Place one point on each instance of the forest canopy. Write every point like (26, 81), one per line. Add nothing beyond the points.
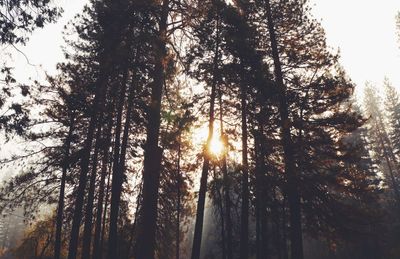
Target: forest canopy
(195, 129)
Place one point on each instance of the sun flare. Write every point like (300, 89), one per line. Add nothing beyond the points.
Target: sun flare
(216, 147)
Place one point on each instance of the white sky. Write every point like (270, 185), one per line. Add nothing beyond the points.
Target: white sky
(364, 30)
(44, 47)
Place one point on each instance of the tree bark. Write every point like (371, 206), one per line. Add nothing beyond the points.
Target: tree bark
(178, 209)
(112, 236)
(107, 198)
(87, 229)
(284, 230)
(221, 212)
(100, 201)
(277, 223)
(226, 193)
(244, 230)
(118, 178)
(261, 217)
(228, 218)
(60, 207)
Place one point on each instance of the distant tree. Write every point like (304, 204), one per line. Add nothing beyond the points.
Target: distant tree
(37, 242)
(398, 26)
(381, 143)
(392, 107)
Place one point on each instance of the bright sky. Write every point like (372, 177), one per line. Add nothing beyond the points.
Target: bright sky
(364, 30)
(43, 50)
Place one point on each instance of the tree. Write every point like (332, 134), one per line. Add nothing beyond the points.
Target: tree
(296, 157)
(37, 241)
(153, 153)
(392, 107)
(287, 143)
(17, 20)
(382, 145)
(110, 58)
(20, 18)
(398, 25)
(211, 23)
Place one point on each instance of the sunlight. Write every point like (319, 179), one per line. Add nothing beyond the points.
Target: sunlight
(199, 138)
(216, 147)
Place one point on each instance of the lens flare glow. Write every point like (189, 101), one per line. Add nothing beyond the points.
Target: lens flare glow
(216, 146)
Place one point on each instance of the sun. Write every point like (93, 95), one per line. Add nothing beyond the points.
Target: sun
(216, 147)
(199, 138)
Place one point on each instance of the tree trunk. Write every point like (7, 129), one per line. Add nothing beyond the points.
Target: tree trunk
(220, 208)
(87, 229)
(118, 177)
(60, 207)
(100, 201)
(198, 229)
(107, 198)
(135, 221)
(261, 222)
(389, 147)
(178, 209)
(244, 230)
(392, 178)
(45, 246)
(296, 236)
(85, 159)
(284, 230)
(153, 153)
(109, 58)
(224, 169)
(228, 218)
(112, 236)
(277, 223)
(221, 212)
